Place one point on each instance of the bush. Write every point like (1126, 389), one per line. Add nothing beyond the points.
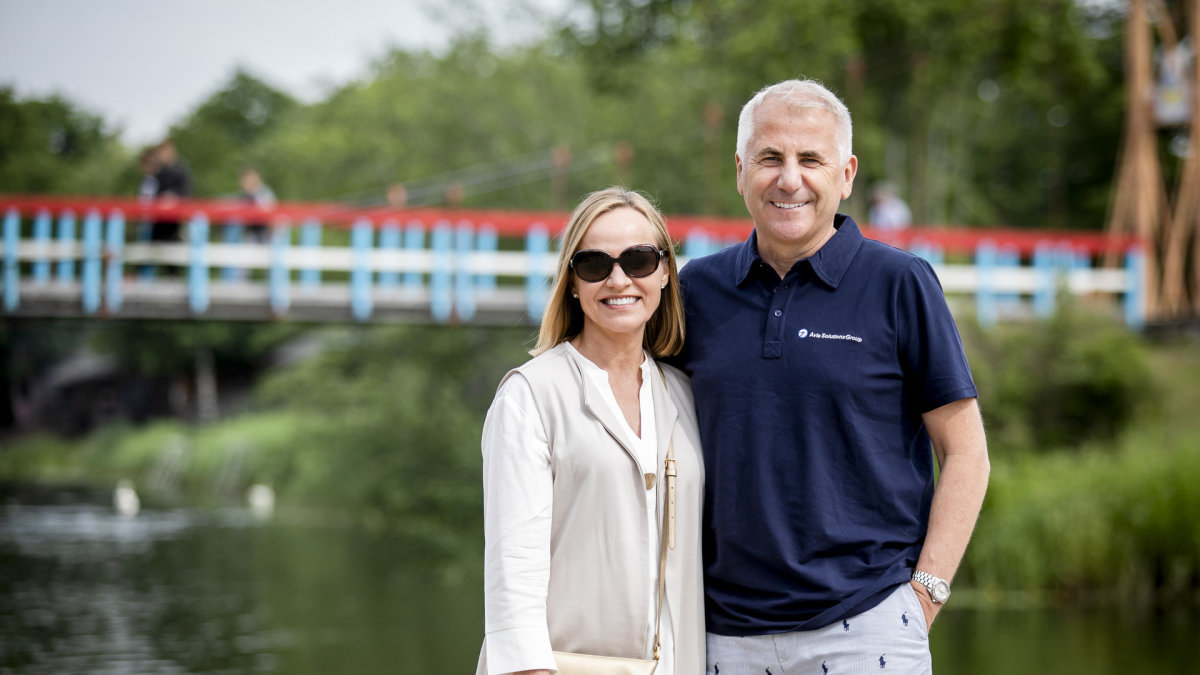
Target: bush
(389, 424)
(1120, 523)
(1060, 383)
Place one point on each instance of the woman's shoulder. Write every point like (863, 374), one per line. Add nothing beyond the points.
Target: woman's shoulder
(548, 364)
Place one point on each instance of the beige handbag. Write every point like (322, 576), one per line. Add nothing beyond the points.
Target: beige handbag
(570, 663)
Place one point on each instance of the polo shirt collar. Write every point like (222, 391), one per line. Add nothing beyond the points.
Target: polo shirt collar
(829, 263)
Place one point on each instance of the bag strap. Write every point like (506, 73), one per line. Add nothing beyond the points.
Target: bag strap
(668, 528)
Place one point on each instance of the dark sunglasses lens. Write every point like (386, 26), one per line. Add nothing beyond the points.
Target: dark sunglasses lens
(639, 261)
(593, 265)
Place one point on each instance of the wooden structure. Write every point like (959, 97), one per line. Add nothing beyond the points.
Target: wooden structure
(1170, 226)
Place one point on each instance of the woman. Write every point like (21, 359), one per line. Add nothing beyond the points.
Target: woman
(573, 453)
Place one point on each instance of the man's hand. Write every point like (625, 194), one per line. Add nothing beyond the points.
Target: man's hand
(928, 606)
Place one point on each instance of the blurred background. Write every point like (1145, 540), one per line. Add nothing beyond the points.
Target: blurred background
(190, 488)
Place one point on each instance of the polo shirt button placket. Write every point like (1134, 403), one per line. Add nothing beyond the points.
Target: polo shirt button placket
(773, 345)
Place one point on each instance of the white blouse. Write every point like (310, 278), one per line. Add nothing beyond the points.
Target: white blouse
(515, 446)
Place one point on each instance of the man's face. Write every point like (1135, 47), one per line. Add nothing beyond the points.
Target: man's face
(793, 179)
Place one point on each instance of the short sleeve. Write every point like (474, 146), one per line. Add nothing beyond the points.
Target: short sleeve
(931, 351)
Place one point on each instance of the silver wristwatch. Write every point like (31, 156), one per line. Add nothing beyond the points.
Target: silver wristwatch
(939, 589)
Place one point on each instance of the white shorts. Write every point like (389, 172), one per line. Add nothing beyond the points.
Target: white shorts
(888, 638)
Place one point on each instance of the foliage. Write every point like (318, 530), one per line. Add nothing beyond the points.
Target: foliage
(476, 116)
(219, 137)
(170, 347)
(1118, 522)
(389, 424)
(53, 146)
(1060, 383)
(1108, 517)
(983, 112)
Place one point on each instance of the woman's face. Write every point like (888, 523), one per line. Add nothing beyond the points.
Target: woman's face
(619, 305)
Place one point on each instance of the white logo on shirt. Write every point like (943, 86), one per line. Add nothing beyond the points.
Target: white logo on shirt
(827, 336)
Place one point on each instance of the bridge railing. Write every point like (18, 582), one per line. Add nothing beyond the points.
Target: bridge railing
(321, 262)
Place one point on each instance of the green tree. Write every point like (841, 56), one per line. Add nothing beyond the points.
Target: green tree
(984, 112)
(392, 418)
(486, 118)
(219, 137)
(51, 146)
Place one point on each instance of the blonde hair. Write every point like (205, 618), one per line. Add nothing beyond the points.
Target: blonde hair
(562, 319)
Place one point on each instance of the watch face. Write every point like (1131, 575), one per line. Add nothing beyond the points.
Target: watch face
(940, 591)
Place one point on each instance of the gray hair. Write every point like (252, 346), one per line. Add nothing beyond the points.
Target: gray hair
(805, 94)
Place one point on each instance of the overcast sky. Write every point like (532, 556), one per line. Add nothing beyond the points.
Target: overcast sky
(143, 65)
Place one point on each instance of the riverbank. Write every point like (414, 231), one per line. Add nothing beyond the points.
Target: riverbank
(1106, 520)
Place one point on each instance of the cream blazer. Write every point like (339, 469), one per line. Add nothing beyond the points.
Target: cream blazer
(599, 586)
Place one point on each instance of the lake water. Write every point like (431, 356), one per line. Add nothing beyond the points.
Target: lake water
(189, 590)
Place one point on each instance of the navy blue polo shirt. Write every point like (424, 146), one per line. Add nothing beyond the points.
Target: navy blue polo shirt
(809, 392)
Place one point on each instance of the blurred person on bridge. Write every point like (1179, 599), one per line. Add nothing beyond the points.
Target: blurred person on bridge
(888, 211)
(146, 190)
(574, 447)
(174, 181)
(828, 375)
(254, 192)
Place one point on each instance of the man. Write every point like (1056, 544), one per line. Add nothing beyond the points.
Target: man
(828, 374)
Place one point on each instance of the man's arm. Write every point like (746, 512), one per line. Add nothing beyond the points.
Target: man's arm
(956, 430)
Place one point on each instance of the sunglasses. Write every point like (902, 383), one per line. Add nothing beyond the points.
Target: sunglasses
(636, 261)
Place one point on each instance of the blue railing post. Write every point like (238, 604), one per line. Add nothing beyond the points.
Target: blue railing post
(233, 233)
(41, 236)
(414, 242)
(361, 236)
(440, 278)
(927, 251)
(389, 240)
(1008, 258)
(985, 295)
(697, 244)
(114, 275)
(279, 275)
(1045, 272)
(66, 237)
(486, 242)
(310, 239)
(1135, 293)
(537, 247)
(198, 263)
(92, 263)
(12, 271)
(464, 287)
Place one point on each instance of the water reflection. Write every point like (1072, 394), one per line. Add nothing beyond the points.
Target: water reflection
(216, 591)
(188, 590)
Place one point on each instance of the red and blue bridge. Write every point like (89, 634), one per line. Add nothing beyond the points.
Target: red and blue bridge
(319, 262)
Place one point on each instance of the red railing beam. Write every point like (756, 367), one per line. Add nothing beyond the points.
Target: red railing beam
(518, 223)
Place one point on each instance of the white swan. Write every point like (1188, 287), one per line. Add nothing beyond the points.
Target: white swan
(125, 499)
(261, 499)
